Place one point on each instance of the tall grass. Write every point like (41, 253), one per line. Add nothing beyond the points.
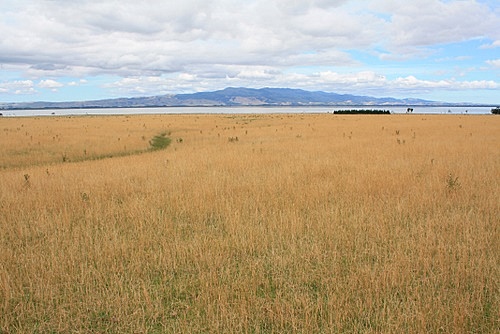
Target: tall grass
(306, 224)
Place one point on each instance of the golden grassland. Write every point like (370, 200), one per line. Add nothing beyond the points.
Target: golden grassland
(303, 223)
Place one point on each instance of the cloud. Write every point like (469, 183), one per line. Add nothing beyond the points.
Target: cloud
(163, 46)
(378, 84)
(494, 63)
(492, 45)
(77, 83)
(423, 23)
(363, 82)
(132, 38)
(138, 86)
(50, 84)
(17, 87)
(413, 82)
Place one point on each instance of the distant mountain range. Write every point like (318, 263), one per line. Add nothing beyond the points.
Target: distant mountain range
(231, 97)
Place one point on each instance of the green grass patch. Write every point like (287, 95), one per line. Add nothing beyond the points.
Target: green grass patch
(159, 142)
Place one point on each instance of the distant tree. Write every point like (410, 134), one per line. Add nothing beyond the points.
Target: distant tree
(361, 111)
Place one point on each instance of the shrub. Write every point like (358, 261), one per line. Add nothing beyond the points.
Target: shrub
(160, 141)
(361, 111)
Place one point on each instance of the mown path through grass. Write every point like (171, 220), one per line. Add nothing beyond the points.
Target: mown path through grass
(48, 141)
(158, 142)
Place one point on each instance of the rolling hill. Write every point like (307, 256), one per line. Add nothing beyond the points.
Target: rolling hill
(229, 97)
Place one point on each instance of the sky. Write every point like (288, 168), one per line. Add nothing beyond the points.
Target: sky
(62, 50)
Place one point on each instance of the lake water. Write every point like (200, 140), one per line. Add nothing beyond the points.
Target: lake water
(242, 110)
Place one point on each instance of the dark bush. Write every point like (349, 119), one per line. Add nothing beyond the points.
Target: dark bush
(362, 111)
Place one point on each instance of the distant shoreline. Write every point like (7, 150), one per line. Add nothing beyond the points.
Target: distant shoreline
(188, 110)
(262, 106)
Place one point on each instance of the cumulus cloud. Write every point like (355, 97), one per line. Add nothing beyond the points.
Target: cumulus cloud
(376, 83)
(165, 45)
(17, 87)
(164, 36)
(413, 82)
(50, 84)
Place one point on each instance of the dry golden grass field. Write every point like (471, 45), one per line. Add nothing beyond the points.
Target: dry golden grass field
(303, 223)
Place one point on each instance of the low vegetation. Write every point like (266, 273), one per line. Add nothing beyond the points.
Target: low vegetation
(305, 224)
(160, 141)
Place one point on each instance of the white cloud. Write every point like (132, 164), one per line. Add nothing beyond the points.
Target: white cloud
(138, 86)
(379, 84)
(162, 46)
(423, 23)
(18, 87)
(495, 44)
(50, 84)
(363, 82)
(77, 83)
(412, 83)
(494, 63)
(131, 38)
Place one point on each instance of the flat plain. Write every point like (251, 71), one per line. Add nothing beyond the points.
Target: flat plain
(269, 223)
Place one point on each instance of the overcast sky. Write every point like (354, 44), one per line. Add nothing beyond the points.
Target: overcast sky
(61, 50)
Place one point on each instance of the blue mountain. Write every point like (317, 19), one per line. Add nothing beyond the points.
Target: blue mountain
(284, 96)
(230, 97)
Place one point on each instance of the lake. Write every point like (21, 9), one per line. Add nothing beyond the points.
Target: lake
(243, 110)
